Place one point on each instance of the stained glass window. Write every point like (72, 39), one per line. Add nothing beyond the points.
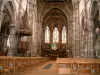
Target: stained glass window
(47, 35)
(64, 35)
(55, 35)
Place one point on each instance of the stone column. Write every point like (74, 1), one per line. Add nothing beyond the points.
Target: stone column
(76, 27)
(99, 10)
(84, 42)
(70, 32)
(11, 50)
(34, 40)
(73, 51)
(0, 18)
(33, 27)
(40, 35)
(39, 30)
(90, 45)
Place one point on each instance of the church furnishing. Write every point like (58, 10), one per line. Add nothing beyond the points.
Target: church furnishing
(78, 66)
(16, 65)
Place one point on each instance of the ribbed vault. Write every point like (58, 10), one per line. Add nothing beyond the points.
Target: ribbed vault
(54, 18)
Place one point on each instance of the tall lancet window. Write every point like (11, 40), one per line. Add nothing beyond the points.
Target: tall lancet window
(64, 35)
(47, 35)
(55, 35)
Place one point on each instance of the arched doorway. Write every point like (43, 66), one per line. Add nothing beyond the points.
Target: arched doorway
(7, 23)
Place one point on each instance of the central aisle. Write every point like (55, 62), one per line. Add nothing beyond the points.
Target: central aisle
(49, 68)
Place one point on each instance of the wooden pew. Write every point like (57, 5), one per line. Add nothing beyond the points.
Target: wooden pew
(3, 66)
(19, 64)
(97, 62)
(64, 67)
(80, 66)
(84, 67)
(34, 62)
(84, 71)
(26, 63)
(12, 66)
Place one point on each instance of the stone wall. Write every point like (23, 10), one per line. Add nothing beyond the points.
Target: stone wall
(83, 29)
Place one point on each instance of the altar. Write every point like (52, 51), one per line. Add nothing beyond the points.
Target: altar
(54, 54)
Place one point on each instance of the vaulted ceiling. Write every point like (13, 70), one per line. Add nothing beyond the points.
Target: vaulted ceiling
(54, 18)
(54, 13)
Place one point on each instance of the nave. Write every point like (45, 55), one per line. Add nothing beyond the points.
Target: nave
(32, 32)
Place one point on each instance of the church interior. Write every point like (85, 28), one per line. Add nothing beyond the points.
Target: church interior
(49, 37)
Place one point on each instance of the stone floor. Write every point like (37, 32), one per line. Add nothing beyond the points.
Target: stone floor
(41, 71)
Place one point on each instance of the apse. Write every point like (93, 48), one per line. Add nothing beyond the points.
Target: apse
(55, 29)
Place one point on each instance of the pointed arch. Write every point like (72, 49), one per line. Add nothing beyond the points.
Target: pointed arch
(47, 35)
(64, 35)
(55, 35)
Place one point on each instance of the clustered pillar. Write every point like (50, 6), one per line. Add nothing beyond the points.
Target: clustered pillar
(11, 50)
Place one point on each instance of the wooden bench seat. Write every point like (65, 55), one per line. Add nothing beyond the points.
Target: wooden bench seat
(84, 71)
(66, 71)
(3, 66)
(14, 65)
(80, 66)
(11, 64)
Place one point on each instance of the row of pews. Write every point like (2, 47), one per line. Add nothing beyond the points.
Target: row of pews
(19, 65)
(78, 66)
